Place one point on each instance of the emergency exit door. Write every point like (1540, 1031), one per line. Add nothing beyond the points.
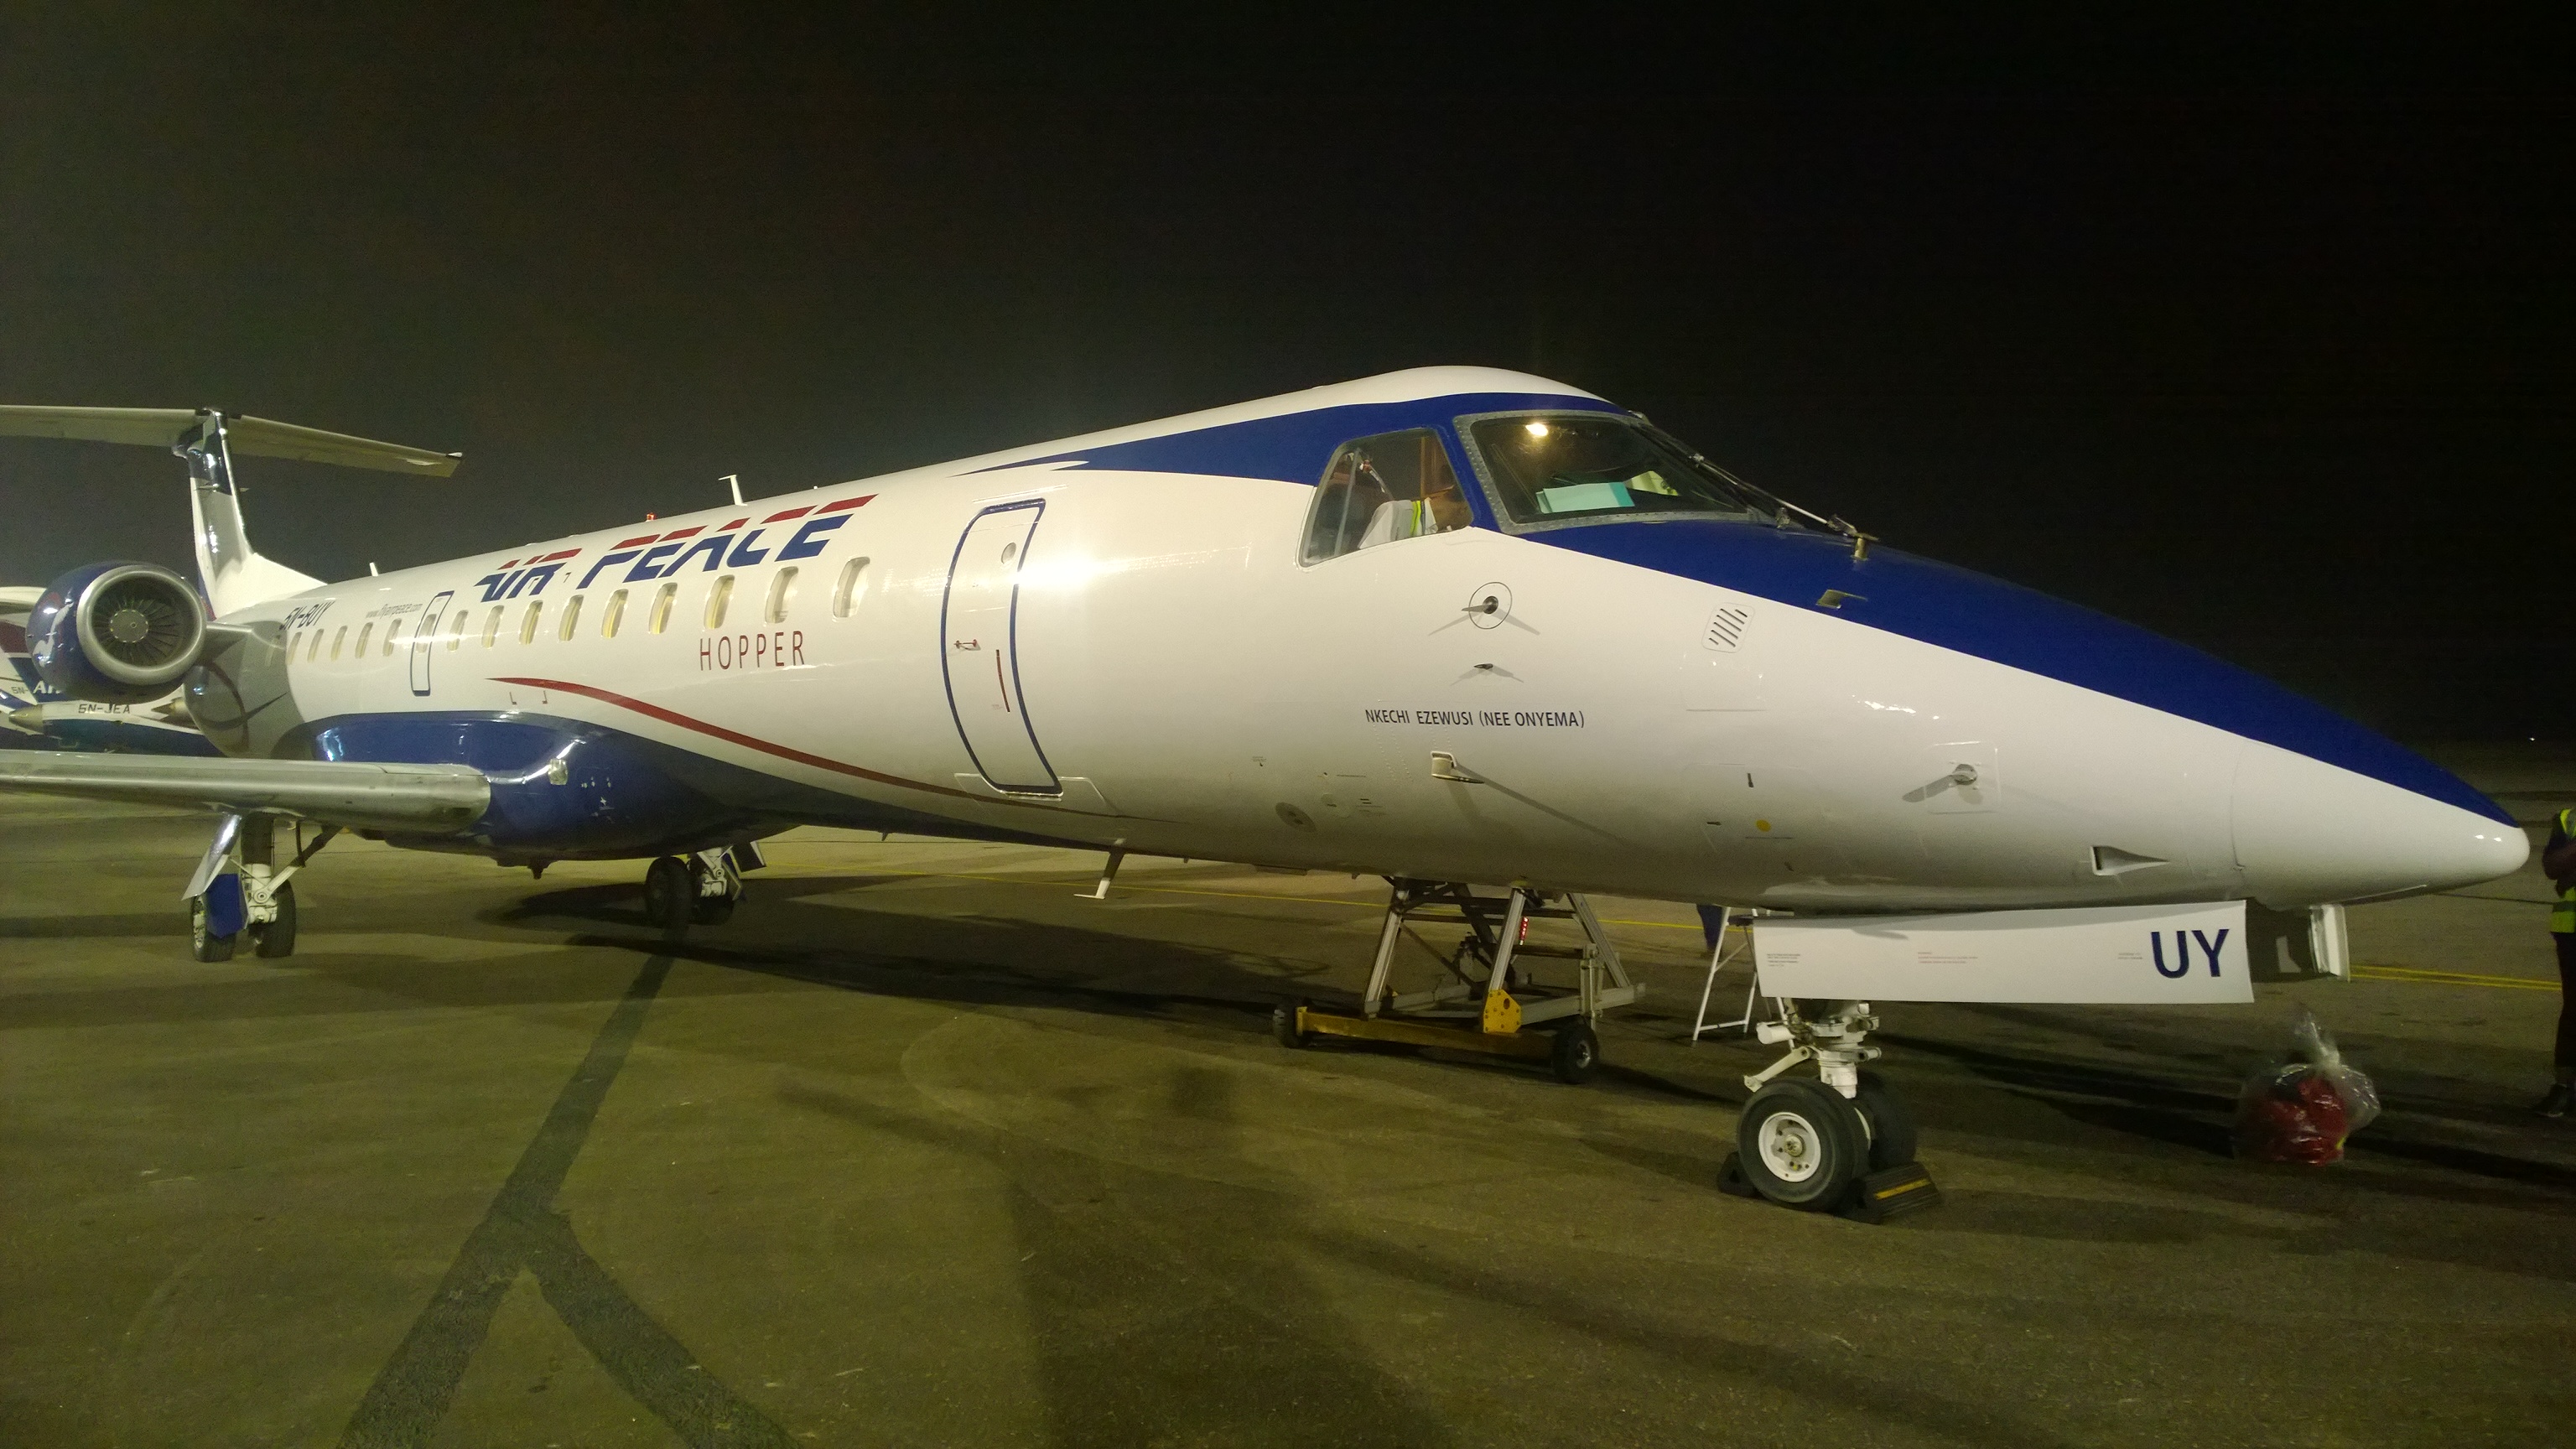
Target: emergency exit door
(422, 638)
(979, 632)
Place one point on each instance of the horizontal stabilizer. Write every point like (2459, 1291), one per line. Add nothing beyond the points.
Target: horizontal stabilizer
(399, 798)
(164, 427)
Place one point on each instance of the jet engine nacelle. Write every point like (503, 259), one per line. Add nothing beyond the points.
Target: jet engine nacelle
(117, 633)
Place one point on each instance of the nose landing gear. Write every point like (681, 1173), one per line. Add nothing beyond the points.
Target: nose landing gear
(1843, 1143)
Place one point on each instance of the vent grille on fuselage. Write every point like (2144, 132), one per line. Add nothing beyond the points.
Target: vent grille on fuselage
(1726, 627)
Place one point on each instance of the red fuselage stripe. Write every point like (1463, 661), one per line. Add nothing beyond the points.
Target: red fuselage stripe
(784, 752)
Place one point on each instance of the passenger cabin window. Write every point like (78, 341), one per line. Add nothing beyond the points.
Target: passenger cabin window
(528, 625)
(1378, 490)
(716, 598)
(343, 633)
(571, 618)
(1590, 465)
(361, 651)
(615, 616)
(662, 598)
(316, 651)
(458, 626)
(782, 591)
(845, 595)
(492, 625)
(393, 636)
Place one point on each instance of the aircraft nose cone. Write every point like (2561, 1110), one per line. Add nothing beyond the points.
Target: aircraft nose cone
(2309, 833)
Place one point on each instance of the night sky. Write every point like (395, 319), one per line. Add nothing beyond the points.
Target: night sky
(2258, 338)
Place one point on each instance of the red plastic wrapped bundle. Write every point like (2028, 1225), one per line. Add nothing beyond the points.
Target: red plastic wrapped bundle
(2301, 1109)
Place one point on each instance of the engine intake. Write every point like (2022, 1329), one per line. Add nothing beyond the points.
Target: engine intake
(117, 633)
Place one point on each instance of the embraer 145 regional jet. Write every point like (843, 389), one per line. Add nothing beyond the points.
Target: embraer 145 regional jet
(1491, 637)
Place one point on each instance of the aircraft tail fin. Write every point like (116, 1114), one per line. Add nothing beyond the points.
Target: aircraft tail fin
(232, 573)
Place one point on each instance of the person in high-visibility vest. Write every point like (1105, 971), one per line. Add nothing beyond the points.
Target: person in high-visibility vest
(2558, 862)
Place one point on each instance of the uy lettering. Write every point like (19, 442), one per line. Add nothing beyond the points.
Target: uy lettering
(2183, 942)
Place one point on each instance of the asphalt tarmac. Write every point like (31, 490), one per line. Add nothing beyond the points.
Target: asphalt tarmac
(922, 1148)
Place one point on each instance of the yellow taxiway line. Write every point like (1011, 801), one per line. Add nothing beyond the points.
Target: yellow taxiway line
(2452, 978)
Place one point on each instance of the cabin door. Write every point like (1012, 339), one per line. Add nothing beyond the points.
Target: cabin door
(423, 637)
(979, 633)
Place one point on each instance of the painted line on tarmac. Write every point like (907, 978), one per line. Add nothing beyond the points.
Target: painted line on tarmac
(524, 1231)
(2424, 977)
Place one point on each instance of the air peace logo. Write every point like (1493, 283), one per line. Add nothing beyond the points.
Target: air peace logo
(510, 581)
(668, 555)
(2182, 947)
(665, 555)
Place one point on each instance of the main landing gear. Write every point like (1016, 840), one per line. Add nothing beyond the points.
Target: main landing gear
(240, 890)
(1844, 1143)
(697, 889)
(1490, 1000)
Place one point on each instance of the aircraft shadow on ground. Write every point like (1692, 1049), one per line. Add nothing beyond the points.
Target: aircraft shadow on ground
(785, 930)
(172, 924)
(984, 959)
(969, 957)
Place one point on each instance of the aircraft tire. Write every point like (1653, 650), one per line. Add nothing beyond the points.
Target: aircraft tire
(1283, 1024)
(203, 945)
(277, 938)
(1801, 1144)
(670, 893)
(1575, 1054)
(1891, 1123)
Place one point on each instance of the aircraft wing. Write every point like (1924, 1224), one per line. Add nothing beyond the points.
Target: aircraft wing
(403, 798)
(258, 437)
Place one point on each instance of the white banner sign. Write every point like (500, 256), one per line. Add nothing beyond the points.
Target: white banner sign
(2142, 955)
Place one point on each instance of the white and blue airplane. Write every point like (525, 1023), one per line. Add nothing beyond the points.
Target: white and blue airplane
(1457, 627)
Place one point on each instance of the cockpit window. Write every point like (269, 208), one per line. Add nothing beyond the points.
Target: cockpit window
(1378, 490)
(1553, 467)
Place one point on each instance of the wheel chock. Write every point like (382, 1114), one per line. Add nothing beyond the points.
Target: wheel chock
(1899, 1190)
(1731, 1179)
(1874, 1199)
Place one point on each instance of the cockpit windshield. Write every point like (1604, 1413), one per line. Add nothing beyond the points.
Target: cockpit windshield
(1556, 467)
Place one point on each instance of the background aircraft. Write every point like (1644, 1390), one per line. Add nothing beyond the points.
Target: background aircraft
(1453, 626)
(38, 717)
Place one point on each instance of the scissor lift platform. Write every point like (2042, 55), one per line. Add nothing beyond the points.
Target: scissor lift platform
(1477, 1009)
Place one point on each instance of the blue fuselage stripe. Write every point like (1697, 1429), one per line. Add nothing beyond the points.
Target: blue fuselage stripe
(1916, 598)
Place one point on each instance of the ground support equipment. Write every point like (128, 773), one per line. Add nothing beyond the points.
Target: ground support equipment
(1740, 922)
(1491, 1002)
